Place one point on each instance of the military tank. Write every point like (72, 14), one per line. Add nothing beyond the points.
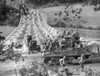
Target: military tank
(70, 52)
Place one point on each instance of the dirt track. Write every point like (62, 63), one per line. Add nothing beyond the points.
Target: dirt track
(8, 68)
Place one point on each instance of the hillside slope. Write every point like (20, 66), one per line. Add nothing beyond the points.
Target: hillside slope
(88, 16)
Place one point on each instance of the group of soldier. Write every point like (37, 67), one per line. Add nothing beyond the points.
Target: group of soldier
(57, 44)
(80, 61)
(32, 44)
(69, 39)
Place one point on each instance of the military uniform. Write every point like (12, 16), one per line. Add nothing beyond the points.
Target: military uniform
(81, 60)
(62, 61)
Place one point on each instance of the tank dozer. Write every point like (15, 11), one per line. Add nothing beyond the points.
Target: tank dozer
(70, 53)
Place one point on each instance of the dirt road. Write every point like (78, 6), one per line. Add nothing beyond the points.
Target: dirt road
(8, 68)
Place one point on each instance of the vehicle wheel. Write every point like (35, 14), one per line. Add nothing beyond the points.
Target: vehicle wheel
(54, 62)
(50, 63)
(33, 69)
(4, 59)
(71, 58)
(74, 61)
(57, 63)
(46, 60)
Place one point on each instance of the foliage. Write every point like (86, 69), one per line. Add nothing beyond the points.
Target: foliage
(33, 69)
(62, 24)
(13, 21)
(43, 2)
(8, 15)
(50, 3)
(3, 13)
(58, 24)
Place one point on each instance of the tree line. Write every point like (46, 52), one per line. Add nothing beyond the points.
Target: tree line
(8, 15)
(43, 2)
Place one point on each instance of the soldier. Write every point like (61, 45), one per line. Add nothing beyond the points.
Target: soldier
(9, 53)
(62, 61)
(30, 47)
(29, 38)
(81, 60)
(76, 39)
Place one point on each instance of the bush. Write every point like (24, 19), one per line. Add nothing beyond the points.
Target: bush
(4, 10)
(56, 3)
(13, 21)
(98, 28)
(8, 15)
(90, 28)
(58, 24)
(79, 26)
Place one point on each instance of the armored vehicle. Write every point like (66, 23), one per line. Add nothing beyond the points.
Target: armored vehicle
(73, 48)
(70, 54)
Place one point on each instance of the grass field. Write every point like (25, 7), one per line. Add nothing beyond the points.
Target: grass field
(89, 17)
(6, 30)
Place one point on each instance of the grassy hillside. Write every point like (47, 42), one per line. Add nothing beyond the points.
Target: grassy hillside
(76, 16)
(75, 12)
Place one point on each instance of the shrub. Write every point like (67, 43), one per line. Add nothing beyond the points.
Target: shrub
(90, 28)
(13, 21)
(97, 28)
(59, 24)
(8, 15)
